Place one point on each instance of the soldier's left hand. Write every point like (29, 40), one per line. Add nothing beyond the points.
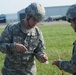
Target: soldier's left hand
(43, 58)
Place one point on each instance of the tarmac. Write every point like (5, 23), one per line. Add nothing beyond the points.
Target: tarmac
(54, 23)
(3, 25)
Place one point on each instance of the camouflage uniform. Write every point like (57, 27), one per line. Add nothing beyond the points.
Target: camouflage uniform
(70, 66)
(18, 63)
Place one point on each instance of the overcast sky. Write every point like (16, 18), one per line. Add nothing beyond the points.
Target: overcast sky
(13, 6)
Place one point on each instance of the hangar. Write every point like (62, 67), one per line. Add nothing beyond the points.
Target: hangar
(21, 14)
(50, 11)
(10, 18)
(56, 11)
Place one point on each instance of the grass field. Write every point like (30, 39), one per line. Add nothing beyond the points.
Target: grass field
(58, 40)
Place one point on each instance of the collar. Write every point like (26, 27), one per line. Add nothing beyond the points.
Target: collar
(27, 31)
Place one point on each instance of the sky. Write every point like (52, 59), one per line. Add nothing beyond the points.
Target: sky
(13, 6)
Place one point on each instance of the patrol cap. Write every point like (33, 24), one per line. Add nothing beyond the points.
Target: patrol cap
(36, 10)
(71, 13)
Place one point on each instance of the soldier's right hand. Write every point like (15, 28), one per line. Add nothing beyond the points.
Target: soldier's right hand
(20, 47)
(57, 63)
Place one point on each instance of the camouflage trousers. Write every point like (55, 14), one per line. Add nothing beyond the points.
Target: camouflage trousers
(14, 72)
(8, 72)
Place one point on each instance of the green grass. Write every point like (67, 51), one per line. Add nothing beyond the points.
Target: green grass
(58, 40)
(1, 54)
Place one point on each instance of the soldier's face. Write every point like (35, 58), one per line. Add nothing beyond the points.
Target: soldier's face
(73, 25)
(32, 22)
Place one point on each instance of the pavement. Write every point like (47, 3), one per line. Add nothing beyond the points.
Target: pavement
(54, 23)
(3, 25)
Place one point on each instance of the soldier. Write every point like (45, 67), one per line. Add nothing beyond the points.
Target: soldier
(69, 66)
(22, 42)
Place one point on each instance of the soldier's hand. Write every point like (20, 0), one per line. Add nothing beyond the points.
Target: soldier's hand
(43, 58)
(20, 47)
(57, 62)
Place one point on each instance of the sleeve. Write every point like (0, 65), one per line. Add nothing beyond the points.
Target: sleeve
(40, 50)
(70, 66)
(6, 42)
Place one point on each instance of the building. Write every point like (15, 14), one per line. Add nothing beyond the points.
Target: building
(21, 14)
(50, 11)
(10, 18)
(56, 11)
